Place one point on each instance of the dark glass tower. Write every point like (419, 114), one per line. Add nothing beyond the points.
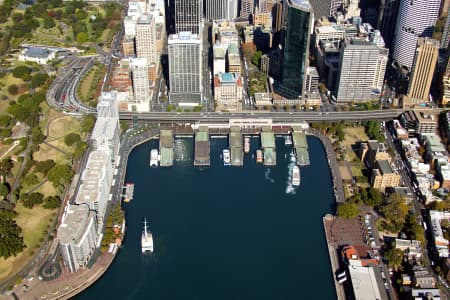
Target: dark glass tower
(295, 48)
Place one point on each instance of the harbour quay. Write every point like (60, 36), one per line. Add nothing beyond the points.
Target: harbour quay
(166, 144)
(202, 148)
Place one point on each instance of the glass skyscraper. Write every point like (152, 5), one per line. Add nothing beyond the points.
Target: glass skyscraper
(295, 48)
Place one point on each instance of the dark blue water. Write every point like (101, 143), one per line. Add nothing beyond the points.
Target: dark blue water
(224, 232)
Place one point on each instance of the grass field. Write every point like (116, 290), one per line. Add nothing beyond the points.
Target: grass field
(45, 152)
(34, 222)
(61, 126)
(353, 135)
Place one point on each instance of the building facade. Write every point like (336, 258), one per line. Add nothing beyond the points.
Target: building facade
(326, 8)
(425, 59)
(188, 15)
(141, 85)
(359, 70)
(146, 39)
(415, 19)
(221, 9)
(383, 176)
(295, 53)
(77, 236)
(228, 91)
(185, 69)
(246, 8)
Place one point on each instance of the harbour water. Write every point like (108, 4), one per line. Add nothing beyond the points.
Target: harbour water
(224, 232)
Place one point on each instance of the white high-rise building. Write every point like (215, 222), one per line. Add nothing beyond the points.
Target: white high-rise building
(247, 8)
(77, 236)
(416, 18)
(361, 67)
(185, 69)
(221, 9)
(95, 185)
(146, 39)
(141, 84)
(106, 133)
(188, 15)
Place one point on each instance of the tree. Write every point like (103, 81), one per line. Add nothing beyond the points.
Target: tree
(37, 136)
(394, 209)
(13, 89)
(38, 80)
(52, 202)
(5, 120)
(256, 58)
(49, 23)
(29, 200)
(82, 37)
(394, 257)
(4, 133)
(72, 138)
(374, 197)
(11, 240)
(5, 168)
(87, 123)
(59, 175)
(4, 190)
(44, 166)
(347, 210)
(21, 72)
(79, 150)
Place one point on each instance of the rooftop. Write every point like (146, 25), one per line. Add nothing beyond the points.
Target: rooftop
(37, 52)
(303, 4)
(74, 223)
(384, 167)
(366, 283)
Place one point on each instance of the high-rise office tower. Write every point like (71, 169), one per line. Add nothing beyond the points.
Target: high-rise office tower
(360, 69)
(146, 38)
(326, 7)
(425, 59)
(247, 8)
(297, 16)
(386, 20)
(277, 16)
(141, 85)
(415, 19)
(221, 9)
(185, 69)
(188, 15)
(446, 32)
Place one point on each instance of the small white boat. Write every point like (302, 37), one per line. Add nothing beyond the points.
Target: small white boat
(295, 176)
(287, 140)
(246, 144)
(154, 158)
(146, 239)
(226, 157)
(259, 156)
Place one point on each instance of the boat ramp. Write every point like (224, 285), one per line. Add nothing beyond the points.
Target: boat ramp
(237, 154)
(301, 148)
(201, 148)
(166, 142)
(268, 146)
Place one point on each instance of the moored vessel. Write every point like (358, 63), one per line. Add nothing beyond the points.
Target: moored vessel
(246, 144)
(146, 239)
(259, 156)
(287, 140)
(226, 157)
(154, 158)
(295, 176)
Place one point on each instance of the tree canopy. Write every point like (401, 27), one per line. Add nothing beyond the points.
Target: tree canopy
(59, 175)
(347, 210)
(72, 138)
(11, 240)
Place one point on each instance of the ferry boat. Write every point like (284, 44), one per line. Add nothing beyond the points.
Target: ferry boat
(295, 176)
(146, 239)
(154, 158)
(226, 157)
(287, 140)
(259, 156)
(246, 145)
(129, 189)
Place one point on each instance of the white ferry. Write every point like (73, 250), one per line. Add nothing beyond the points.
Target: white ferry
(259, 156)
(154, 158)
(295, 176)
(246, 145)
(146, 239)
(287, 140)
(226, 157)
